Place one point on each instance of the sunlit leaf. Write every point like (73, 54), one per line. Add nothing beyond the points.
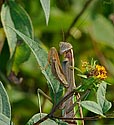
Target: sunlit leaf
(5, 109)
(11, 35)
(92, 106)
(46, 8)
(4, 120)
(105, 105)
(37, 117)
(83, 76)
(101, 93)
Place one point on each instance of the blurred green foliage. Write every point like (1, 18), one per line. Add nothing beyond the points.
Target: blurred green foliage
(91, 37)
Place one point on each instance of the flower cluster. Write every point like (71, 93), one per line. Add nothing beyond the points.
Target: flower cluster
(100, 72)
(96, 71)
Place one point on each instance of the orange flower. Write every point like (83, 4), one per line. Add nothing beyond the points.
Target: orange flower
(100, 72)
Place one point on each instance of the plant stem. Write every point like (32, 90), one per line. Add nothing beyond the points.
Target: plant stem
(56, 107)
(84, 118)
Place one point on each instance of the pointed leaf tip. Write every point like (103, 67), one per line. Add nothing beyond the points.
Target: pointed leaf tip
(46, 8)
(92, 106)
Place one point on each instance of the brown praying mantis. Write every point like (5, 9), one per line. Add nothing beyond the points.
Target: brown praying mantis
(65, 75)
(56, 68)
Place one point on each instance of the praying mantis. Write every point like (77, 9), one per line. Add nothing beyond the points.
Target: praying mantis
(65, 75)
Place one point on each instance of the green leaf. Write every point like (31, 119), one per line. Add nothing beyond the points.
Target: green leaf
(83, 76)
(102, 106)
(20, 56)
(76, 68)
(4, 102)
(37, 117)
(105, 105)
(92, 106)
(4, 120)
(103, 31)
(101, 94)
(20, 19)
(23, 23)
(15, 16)
(56, 89)
(11, 35)
(46, 8)
(0, 103)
